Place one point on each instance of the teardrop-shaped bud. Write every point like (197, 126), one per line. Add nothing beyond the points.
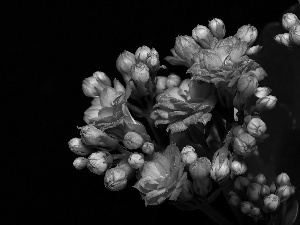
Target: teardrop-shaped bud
(217, 27)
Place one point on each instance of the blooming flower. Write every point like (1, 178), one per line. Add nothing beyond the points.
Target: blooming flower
(162, 177)
(179, 109)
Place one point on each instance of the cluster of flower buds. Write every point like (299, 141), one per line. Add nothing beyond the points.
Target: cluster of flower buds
(260, 197)
(245, 137)
(291, 23)
(137, 69)
(162, 83)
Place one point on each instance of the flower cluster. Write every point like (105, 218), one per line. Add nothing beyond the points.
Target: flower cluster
(214, 119)
(291, 23)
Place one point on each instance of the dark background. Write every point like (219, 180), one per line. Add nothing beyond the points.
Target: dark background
(52, 46)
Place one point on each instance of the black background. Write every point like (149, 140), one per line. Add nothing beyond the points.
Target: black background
(52, 46)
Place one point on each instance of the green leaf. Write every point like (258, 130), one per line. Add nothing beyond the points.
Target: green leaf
(291, 214)
(214, 195)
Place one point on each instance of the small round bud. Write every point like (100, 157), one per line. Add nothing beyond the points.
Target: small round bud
(188, 154)
(136, 160)
(295, 34)
(234, 199)
(203, 36)
(140, 73)
(133, 140)
(260, 179)
(265, 190)
(141, 54)
(282, 179)
(255, 211)
(161, 84)
(238, 168)
(266, 103)
(272, 188)
(99, 162)
(217, 27)
(283, 192)
(271, 202)
(152, 60)
(262, 92)
(77, 146)
(115, 179)
(173, 80)
(102, 78)
(124, 63)
(80, 163)
(247, 33)
(148, 148)
(246, 207)
(256, 127)
(240, 183)
(200, 168)
(289, 20)
(253, 191)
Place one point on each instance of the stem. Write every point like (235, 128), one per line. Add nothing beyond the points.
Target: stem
(214, 215)
(158, 138)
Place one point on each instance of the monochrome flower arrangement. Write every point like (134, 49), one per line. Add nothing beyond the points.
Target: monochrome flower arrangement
(216, 108)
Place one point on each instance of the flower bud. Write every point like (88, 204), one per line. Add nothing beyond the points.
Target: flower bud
(260, 179)
(161, 84)
(173, 80)
(283, 39)
(124, 63)
(202, 187)
(256, 127)
(200, 168)
(188, 154)
(90, 135)
(282, 179)
(244, 144)
(272, 188)
(115, 179)
(234, 199)
(247, 33)
(246, 207)
(140, 73)
(255, 211)
(184, 86)
(148, 148)
(76, 146)
(295, 34)
(240, 183)
(141, 54)
(133, 140)
(238, 168)
(292, 189)
(102, 78)
(98, 162)
(203, 36)
(247, 84)
(253, 191)
(187, 191)
(283, 192)
(136, 160)
(264, 190)
(289, 20)
(253, 50)
(152, 60)
(89, 86)
(217, 28)
(220, 167)
(262, 92)
(185, 47)
(271, 202)
(80, 163)
(265, 103)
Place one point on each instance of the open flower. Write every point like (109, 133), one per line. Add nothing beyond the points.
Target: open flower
(180, 108)
(162, 177)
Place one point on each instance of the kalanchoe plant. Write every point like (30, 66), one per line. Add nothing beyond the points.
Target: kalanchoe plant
(216, 111)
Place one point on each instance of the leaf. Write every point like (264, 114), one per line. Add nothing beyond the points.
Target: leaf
(214, 195)
(291, 214)
(188, 206)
